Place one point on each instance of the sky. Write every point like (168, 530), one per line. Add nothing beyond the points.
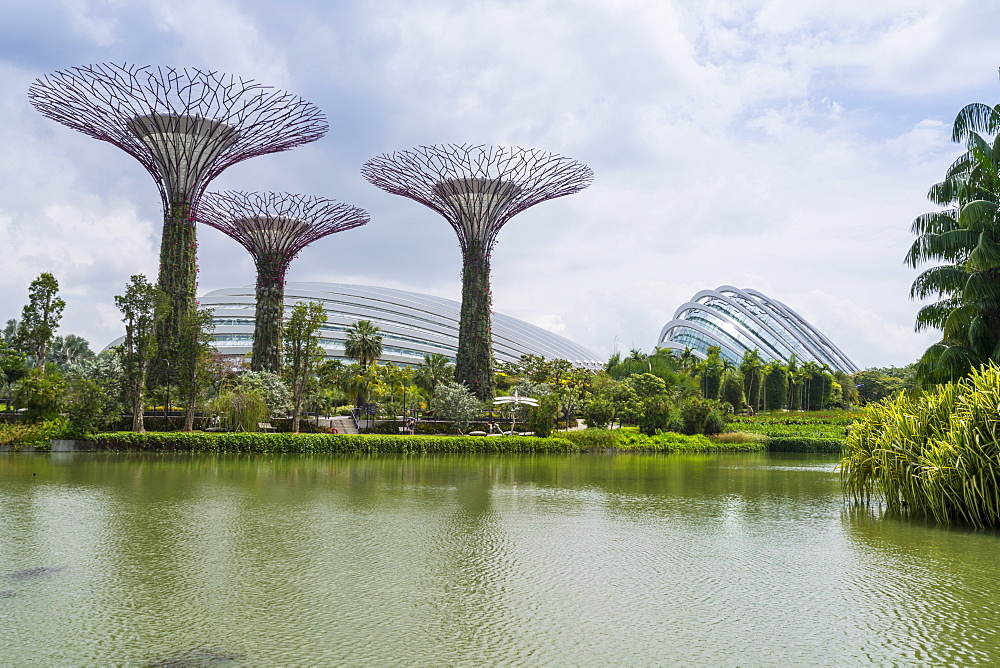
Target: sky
(779, 145)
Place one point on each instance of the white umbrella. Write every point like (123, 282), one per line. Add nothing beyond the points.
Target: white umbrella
(515, 399)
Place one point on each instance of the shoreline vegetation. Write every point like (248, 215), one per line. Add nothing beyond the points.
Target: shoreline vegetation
(787, 433)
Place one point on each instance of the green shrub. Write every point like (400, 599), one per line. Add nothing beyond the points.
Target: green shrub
(241, 409)
(593, 439)
(935, 454)
(740, 437)
(323, 443)
(805, 444)
(37, 434)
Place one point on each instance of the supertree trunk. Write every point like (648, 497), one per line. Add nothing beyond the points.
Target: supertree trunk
(178, 274)
(474, 362)
(270, 309)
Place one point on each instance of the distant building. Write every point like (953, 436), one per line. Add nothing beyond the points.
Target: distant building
(412, 324)
(741, 320)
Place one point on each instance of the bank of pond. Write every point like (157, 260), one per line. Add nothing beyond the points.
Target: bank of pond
(588, 440)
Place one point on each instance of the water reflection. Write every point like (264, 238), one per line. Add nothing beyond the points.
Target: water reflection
(257, 560)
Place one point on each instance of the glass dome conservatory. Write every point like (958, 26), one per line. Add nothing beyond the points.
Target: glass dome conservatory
(741, 320)
(412, 324)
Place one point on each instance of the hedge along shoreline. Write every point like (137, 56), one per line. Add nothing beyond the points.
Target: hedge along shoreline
(248, 442)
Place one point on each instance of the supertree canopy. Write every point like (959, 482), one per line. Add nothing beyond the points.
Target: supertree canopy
(274, 227)
(185, 126)
(477, 189)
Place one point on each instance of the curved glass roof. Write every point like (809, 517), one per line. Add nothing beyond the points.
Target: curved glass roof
(412, 324)
(741, 320)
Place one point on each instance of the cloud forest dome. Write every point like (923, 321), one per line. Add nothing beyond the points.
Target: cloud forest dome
(741, 320)
(412, 324)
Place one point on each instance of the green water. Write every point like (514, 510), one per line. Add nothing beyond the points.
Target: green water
(175, 560)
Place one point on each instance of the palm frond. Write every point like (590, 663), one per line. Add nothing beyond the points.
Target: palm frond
(947, 279)
(935, 222)
(975, 117)
(979, 215)
(934, 316)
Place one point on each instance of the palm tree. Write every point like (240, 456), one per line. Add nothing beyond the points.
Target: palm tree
(966, 238)
(364, 343)
(751, 366)
(435, 370)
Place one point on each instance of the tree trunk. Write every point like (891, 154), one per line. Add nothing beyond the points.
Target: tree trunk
(137, 406)
(270, 310)
(296, 410)
(178, 280)
(474, 361)
(192, 400)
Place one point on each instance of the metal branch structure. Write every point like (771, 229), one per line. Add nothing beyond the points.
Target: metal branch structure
(274, 228)
(185, 126)
(477, 189)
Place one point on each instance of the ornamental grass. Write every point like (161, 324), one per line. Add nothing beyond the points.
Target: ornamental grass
(933, 454)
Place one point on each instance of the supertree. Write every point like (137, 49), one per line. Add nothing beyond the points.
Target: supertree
(477, 189)
(274, 227)
(185, 126)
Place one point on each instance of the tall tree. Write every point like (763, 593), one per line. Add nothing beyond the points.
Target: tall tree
(751, 366)
(364, 343)
(194, 358)
(435, 370)
(141, 307)
(965, 238)
(302, 351)
(40, 317)
(70, 349)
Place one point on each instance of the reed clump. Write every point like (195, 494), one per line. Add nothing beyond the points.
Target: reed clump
(935, 454)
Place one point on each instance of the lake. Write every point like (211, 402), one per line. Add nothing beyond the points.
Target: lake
(189, 560)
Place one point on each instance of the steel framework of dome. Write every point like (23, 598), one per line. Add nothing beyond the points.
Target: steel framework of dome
(412, 324)
(741, 320)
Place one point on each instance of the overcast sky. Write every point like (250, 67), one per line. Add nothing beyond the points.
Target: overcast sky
(779, 145)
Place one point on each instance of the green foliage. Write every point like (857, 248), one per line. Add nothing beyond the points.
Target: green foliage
(474, 359)
(805, 444)
(142, 307)
(302, 351)
(13, 366)
(91, 406)
(656, 413)
(241, 409)
(965, 239)
(876, 384)
(37, 434)
(455, 403)
(543, 416)
(933, 454)
(40, 317)
(40, 393)
(363, 343)
(193, 361)
(326, 443)
(598, 413)
(70, 349)
(435, 370)
(823, 424)
(269, 386)
(775, 386)
(732, 391)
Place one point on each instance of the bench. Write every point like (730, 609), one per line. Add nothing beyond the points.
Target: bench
(265, 426)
